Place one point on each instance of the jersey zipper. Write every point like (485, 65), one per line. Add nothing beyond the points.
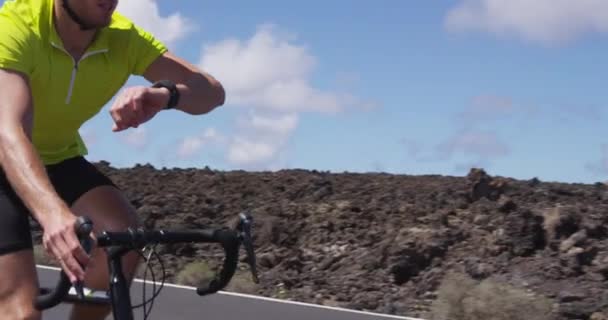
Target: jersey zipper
(75, 67)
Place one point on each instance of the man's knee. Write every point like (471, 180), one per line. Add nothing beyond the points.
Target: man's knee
(20, 313)
(108, 207)
(18, 286)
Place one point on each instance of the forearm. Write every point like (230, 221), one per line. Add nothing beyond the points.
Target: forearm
(200, 94)
(26, 173)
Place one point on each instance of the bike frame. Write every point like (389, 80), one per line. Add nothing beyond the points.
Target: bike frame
(119, 289)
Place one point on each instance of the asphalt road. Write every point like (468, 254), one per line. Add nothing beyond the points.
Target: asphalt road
(179, 302)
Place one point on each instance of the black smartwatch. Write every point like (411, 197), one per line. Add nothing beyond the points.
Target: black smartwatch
(174, 93)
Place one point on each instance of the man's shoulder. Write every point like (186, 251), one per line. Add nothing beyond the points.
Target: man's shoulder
(20, 25)
(124, 28)
(122, 24)
(22, 18)
(24, 12)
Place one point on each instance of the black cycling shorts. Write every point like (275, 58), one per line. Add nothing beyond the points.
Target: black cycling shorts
(71, 179)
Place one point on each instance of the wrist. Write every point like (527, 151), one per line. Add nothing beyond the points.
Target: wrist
(170, 90)
(163, 95)
(54, 213)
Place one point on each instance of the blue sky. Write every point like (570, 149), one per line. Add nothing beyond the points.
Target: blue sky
(396, 86)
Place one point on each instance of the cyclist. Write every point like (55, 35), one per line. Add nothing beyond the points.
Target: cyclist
(61, 61)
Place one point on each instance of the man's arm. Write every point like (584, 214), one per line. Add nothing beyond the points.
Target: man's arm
(199, 91)
(19, 160)
(27, 175)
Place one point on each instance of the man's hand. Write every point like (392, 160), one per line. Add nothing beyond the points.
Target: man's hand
(137, 105)
(60, 241)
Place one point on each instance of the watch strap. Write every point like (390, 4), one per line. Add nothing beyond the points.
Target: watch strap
(174, 93)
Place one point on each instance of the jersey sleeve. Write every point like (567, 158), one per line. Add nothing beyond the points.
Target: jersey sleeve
(16, 49)
(145, 48)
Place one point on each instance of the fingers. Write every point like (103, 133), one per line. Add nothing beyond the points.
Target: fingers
(138, 111)
(128, 110)
(76, 250)
(117, 114)
(66, 248)
(62, 251)
(120, 113)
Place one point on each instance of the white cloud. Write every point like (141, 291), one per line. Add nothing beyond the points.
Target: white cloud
(543, 21)
(247, 152)
(261, 139)
(270, 71)
(257, 142)
(189, 146)
(278, 125)
(491, 109)
(270, 76)
(477, 126)
(136, 137)
(483, 144)
(146, 14)
(475, 135)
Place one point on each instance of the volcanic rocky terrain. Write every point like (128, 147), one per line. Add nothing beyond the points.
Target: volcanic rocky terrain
(387, 243)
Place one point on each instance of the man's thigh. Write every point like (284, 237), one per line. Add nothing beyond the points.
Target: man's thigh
(89, 192)
(108, 207)
(18, 285)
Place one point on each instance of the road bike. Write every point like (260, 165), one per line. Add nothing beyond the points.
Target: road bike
(117, 244)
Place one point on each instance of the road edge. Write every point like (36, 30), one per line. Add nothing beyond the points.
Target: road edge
(250, 296)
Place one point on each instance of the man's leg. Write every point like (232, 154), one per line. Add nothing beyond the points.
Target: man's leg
(18, 286)
(18, 277)
(109, 210)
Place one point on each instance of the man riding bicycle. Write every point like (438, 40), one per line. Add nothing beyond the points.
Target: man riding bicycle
(61, 61)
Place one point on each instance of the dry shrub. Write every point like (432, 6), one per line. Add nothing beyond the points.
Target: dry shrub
(195, 274)
(451, 293)
(599, 315)
(198, 274)
(242, 282)
(462, 298)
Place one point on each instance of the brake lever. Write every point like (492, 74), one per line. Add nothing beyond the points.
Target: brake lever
(84, 227)
(244, 229)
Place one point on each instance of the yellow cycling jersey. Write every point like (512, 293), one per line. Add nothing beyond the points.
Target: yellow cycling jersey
(66, 93)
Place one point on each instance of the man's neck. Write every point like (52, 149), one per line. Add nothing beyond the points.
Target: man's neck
(75, 40)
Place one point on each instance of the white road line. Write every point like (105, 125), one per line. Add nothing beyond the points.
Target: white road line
(387, 316)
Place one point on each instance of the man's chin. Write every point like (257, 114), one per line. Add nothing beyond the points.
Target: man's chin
(107, 23)
(100, 25)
